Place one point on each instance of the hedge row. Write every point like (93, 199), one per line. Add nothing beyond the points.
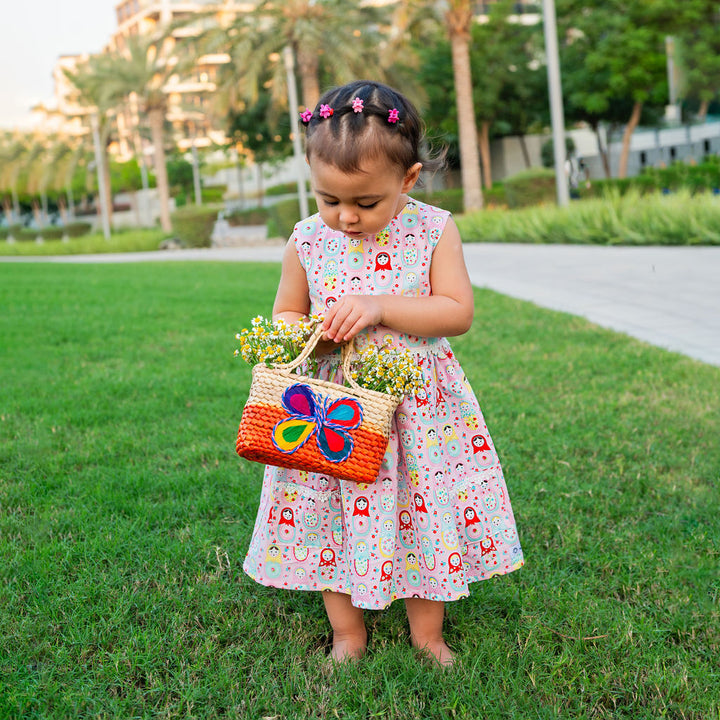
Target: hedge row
(632, 219)
(193, 225)
(702, 177)
(253, 216)
(51, 232)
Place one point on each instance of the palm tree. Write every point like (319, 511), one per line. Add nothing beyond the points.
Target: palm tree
(337, 39)
(143, 67)
(90, 93)
(458, 22)
(64, 161)
(456, 17)
(13, 150)
(34, 178)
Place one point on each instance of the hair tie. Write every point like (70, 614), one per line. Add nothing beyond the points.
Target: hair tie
(357, 105)
(393, 115)
(306, 116)
(326, 111)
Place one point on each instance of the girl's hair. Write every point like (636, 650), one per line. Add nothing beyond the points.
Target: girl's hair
(366, 120)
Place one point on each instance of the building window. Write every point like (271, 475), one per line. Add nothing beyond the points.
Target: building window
(673, 153)
(643, 159)
(706, 147)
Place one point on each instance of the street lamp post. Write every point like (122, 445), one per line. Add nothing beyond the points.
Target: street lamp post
(672, 111)
(295, 130)
(557, 115)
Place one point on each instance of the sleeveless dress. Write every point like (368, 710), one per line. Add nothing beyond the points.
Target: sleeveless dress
(438, 517)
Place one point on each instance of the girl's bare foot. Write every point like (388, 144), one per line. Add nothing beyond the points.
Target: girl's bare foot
(439, 653)
(349, 633)
(348, 648)
(426, 629)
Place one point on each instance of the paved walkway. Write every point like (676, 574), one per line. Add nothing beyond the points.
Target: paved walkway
(667, 296)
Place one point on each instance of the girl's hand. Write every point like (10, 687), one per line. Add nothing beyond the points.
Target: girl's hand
(351, 314)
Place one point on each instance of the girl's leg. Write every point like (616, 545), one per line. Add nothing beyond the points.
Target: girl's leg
(426, 629)
(348, 624)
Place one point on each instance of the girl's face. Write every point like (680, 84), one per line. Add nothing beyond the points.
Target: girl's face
(361, 203)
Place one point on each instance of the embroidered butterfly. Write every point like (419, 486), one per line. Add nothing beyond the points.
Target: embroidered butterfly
(312, 414)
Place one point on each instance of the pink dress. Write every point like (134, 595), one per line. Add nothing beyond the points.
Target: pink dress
(439, 516)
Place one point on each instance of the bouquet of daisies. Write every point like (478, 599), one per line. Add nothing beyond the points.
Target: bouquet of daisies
(274, 342)
(385, 369)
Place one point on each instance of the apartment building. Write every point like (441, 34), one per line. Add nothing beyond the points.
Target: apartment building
(189, 94)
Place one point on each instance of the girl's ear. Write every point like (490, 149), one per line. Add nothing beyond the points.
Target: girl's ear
(411, 177)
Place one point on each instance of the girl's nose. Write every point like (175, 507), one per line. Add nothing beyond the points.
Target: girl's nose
(348, 216)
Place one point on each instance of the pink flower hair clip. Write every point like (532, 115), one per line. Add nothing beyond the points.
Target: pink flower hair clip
(306, 116)
(326, 111)
(393, 115)
(357, 105)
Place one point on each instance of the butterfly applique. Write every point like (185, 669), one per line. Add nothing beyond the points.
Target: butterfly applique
(314, 414)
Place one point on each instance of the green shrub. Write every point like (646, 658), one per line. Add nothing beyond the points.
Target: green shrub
(451, 199)
(23, 234)
(530, 187)
(193, 225)
(547, 151)
(52, 233)
(11, 230)
(495, 196)
(253, 216)
(282, 216)
(696, 178)
(77, 228)
(288, 188)
(213, 194)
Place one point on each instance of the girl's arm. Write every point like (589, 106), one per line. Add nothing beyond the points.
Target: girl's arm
(447, 311)
(292, 300)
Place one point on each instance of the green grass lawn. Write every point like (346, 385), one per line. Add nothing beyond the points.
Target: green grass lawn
(125, 515)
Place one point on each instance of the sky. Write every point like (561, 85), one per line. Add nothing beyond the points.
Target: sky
(33, 34)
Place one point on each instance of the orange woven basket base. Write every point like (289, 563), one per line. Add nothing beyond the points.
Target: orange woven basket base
(255, 443)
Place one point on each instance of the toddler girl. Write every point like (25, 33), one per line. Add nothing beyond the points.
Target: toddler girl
(382, 267)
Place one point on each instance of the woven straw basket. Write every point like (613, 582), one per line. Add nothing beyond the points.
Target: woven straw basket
(300, 422)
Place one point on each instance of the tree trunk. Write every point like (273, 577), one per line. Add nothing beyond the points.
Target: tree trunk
(7, 207)
(16, 203)
(70, 203)
(36, 212)
(627, 136)
(524, 148)
(108, 188)
(260, 184)
(308, 67)
(702, 112)
(62, 207)
(156, 117)
(458, 22)
(485, 153)
(602, 149)
(44, 208)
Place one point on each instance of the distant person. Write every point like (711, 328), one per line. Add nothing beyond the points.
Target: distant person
(382, 267)
(584, 173)
(573, 177)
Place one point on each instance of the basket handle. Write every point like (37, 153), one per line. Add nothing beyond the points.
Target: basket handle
(312, 341)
